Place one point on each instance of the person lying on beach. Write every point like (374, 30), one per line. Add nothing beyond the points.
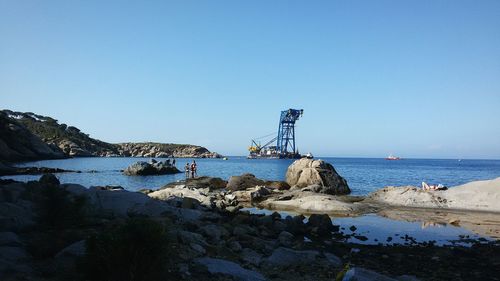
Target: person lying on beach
(426, 187)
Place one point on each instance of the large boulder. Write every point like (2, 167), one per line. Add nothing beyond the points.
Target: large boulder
(142, 168)
(230, 269)
(318, 173)
(243, 182)
(206, 182)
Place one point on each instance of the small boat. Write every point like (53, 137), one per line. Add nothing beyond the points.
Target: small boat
(224, 158)
(392, 157)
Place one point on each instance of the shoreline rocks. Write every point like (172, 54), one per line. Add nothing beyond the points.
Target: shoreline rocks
(213, 244)
(475, 196)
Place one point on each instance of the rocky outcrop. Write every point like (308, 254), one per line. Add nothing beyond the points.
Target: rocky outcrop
(318, 174)
(142, 168)
(28, 136)
(243, 182)
(18, 143)
(158, 150)
(210, 244)
(477, 195)
(10, 170)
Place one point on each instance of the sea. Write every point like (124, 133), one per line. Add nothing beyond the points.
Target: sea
(363, 176)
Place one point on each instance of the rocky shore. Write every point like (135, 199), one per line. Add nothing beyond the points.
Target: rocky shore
(195, 230)
(25, 136)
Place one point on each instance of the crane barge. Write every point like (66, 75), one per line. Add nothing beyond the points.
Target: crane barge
(282, 146)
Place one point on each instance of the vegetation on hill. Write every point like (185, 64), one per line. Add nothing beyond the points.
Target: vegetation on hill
(49, 137)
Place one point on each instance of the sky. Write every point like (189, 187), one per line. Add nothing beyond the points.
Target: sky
(417, 79)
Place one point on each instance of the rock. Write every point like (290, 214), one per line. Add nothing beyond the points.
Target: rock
(250, 256)
(279, 185)
(12, 192)
(109, 187)
(305, 172)
(9, 239)
(142, 168)
(476, 195)
(225, 267)
(235, 246)
(407, 278)
(243, 182)
(285, 257)
(49, 179)
(13, 254)
(286, 239)
(206, 182)
(333, 260)
(212, 231)
(295, 225)
(259, 193)
(307, 202)
(242, 230)
(123, 203)
(34, 171)
(320, 225)
(187, 237)
(74, 250)
(181, 191)
(198, 249)
(14, 217)
(361, 274)
(190, 203)
(151, 149)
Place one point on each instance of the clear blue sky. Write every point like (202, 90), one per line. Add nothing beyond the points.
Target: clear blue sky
(413, 78)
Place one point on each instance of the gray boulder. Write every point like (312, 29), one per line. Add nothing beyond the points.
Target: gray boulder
(285, 257)
(225, 267)
(243, 182)
(142, 168)
(361, 274)
(306, 172)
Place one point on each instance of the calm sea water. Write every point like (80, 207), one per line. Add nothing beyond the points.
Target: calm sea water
(363, 174)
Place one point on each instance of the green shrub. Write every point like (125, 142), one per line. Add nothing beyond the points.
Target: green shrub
(137, 250)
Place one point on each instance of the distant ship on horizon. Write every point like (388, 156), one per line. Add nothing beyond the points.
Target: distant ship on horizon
(392, 157)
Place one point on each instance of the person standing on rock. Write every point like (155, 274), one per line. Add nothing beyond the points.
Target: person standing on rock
(186, 169)
(193, 169)
(173, 161)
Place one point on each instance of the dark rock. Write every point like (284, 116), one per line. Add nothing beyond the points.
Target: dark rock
(320, 225)
(224, 267)
(285, 257)
(49, 179)
(295, 225)
(109, 187)
(206, 182)
(142, 168)
(361, 274)
(190, 203)
(259, 194)
(286, 239)
(243, 182)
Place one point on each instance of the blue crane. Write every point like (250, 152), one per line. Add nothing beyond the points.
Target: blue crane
(285, 144)
(285, 140)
